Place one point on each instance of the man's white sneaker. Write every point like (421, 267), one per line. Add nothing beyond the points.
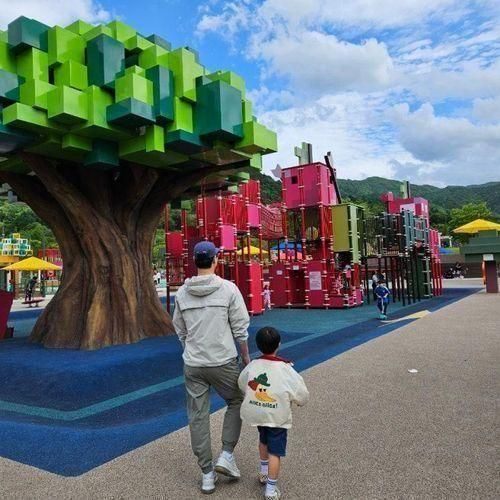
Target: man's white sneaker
(227, 466)
(208, 482)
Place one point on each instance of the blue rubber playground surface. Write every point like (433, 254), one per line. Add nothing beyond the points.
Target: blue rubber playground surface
(69, 411)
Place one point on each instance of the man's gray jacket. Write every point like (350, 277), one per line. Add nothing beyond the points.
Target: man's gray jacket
(210, 315)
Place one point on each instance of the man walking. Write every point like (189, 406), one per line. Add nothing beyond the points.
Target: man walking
(210, 316)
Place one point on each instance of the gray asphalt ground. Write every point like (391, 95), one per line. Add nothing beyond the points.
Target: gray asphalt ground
(371, 429)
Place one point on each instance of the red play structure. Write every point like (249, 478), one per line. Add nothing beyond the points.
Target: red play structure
(232, 221)
(6, 299)
(311, 248)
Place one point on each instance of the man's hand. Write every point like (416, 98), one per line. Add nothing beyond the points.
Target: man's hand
(245, 360)
(245, 354)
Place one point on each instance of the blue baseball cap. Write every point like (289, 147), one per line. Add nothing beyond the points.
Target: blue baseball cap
(205, 249)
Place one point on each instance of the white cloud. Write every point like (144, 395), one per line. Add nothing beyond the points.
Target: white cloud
(51, 12)
(320, 63)
(323, 83)
(336, 123)
(360, 13)
(469, 80)
(469, 153)
(418, 173)
(234, 18)
(487, 110)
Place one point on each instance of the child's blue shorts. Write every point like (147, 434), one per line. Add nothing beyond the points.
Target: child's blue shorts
(275, 439)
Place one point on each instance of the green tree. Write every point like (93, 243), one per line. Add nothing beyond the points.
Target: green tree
(124, 127)
(468, 213)
(439, 218)
(16, 218)
(19, 218)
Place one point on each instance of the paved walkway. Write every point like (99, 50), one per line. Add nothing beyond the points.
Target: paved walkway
(371, 430)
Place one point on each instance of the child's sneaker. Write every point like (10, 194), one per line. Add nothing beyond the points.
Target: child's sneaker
(208, 483)
(275, 496)
(262, 478)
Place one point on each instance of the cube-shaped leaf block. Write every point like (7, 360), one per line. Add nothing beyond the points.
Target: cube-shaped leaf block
(185, 68)
(257, 139)
(74, 142)
(184, 142)
(218, 111)
(29, 118)
(64, 45)
(80, 27)
(153, 56)
(195, 52)
(71, 74)
(105, 58)
(104, 155)
(231, 78)
(183, 116)
(67, 105)
(136, 44)
(163, 93)
(134, 86)
(9, 87)
(34, 93)
(247, 111)
(12, 139)
(97, 31)
(7, 58)
(33, 64)
(158, 40)
(121, 31)
(27, 33)
(130, 113)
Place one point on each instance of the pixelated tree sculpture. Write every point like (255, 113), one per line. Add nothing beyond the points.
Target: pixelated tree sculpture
(100, 127)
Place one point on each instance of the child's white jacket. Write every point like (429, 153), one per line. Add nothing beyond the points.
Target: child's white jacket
(271, 385)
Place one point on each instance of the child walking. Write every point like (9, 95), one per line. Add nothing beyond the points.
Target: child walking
(266, 293)
(382, 293)
(270, 385)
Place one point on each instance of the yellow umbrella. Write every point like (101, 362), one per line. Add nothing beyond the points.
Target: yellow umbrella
(476, 226)
(253, 251)
(32, 264)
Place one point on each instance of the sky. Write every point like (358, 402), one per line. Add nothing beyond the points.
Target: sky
(405, 90)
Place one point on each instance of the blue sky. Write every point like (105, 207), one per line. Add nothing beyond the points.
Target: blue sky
(407, 89)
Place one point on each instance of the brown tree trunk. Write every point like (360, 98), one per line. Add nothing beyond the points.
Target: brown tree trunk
(104, 222)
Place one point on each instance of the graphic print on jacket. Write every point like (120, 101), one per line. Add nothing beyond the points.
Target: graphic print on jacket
(259, 385)
(270, 385)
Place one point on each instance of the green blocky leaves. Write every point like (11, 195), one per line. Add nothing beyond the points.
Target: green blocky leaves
(101, 94)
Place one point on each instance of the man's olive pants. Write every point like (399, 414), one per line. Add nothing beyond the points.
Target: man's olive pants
(224, 379)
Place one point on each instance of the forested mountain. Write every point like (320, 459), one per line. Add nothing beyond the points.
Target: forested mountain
(369, 190)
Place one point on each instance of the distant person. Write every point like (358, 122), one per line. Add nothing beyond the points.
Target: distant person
(458, 270)
(382, 293)
(266, 294)
(210, 317)
(30, 289)
(271, 385)
(374, 284)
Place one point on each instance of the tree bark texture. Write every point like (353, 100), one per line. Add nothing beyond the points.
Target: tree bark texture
(104, 222)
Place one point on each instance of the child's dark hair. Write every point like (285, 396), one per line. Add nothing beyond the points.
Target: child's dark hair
(268, 339)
